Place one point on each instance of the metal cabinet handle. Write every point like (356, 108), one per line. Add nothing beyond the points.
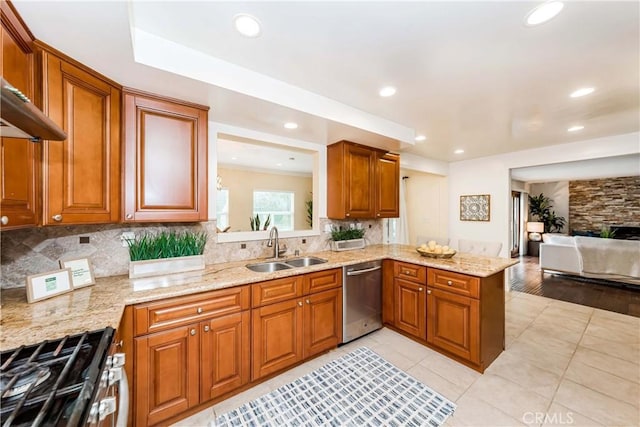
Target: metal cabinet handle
(300, 303)
(429, 291)
(192, 332)
(308, 302)
(199, 310)
(206, 328)
(4, 220)
(129, 216)
(449, 282)
(348, 214)
(378, 214)
(420, 289)
(57, 218)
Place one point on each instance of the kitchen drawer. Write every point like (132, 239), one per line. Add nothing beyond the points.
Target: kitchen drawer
(454, 282)
(322, 281)
(158, 316)
(411, 272)
(277, 290)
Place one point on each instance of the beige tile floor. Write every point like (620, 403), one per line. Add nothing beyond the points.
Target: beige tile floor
(564, 365)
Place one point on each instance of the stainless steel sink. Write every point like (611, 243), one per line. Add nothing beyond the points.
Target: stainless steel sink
(268, 267)
(271, 266)
(305, 261)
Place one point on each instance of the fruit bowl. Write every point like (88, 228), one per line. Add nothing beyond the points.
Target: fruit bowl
(435, 255)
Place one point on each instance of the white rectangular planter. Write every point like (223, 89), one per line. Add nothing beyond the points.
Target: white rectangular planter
(347, 245)
(158, 267)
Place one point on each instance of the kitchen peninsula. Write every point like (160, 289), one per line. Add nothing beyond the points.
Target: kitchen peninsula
(455, 306)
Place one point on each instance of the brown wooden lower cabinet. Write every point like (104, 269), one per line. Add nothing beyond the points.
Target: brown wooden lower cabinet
(453, 323)
(410, 309)
(225, 362)
(277, 337)
(322, 322)
(166, 374)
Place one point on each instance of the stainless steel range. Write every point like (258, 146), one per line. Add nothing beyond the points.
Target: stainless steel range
(70, 381)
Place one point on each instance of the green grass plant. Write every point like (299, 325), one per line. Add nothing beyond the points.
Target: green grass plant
(346, 234)
(166, 244)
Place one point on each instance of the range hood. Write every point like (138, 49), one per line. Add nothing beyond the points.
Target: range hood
(19, 118)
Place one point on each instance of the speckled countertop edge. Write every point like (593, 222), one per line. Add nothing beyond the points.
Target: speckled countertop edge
(102, 305)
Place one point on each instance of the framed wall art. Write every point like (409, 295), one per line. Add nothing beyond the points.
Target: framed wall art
(81, 272)
(46, 285)
(475, 207)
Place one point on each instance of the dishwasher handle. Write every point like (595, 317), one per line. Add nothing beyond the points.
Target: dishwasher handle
(366, 270)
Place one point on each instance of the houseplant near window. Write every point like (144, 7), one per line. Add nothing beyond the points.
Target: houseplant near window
(540, 207)
(165, 253)
(346, 239)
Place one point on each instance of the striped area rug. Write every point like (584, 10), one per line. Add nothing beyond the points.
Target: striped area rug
(358, 389)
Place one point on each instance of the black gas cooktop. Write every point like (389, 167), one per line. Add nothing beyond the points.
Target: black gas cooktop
(52, 383)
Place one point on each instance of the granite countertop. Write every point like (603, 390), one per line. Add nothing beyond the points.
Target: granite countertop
(102, 305)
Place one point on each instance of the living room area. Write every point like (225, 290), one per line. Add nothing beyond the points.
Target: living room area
(576, 229)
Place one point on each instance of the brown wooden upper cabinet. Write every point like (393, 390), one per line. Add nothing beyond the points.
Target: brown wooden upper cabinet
(81, 173)
(20, 158)
(362, 182)
(165, 159)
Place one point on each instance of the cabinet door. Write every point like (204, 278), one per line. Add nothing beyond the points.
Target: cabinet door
(165, 167)
(454, 324)
(322, 322)
(387, 185)
(19, 158)
(225, 360)
(166, 374)
(410, 308)
(82, 173)
(277, 337)
(359, 182)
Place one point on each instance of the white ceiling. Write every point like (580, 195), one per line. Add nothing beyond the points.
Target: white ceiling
(469, 75)
(262, 156)
(580, 170)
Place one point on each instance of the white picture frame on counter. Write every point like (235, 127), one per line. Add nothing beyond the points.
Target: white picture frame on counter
(81, 272)
(50, 284)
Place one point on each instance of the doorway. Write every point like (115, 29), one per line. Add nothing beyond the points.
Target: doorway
(516, 214)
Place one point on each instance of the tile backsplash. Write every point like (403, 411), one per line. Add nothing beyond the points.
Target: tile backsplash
(37, 250)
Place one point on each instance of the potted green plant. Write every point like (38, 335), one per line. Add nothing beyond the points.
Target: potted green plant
(166, 252)
(540, 207)
(343, 239)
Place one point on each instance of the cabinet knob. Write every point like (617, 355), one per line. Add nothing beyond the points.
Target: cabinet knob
(378, 214)
(449, 282)
(420, 289)
(300, 303)
(199, 310)
(4, 220)
(192, 332)
(57, 218)
(308, 302)
(348, 214)
(206, 328)
(129, 216)
(428, 291)
(119, 344)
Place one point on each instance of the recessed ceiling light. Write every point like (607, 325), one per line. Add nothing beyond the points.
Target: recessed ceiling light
(291, 125)
(575, 128)
(247, 25)
(543, 13)
(583, 91)
(459, 151)
(278, 164)
(234, 158)
(420, 138)
(387, 91)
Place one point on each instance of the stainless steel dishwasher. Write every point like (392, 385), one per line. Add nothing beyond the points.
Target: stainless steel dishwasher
(362, 299)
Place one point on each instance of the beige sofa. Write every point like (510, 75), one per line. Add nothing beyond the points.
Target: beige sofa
(592, 257)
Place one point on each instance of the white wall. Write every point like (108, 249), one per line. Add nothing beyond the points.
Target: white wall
(558, 192)
(427, 204)
(491, 175)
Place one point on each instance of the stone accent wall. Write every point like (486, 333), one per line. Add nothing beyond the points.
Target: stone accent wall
(600, 202)
(37, 250)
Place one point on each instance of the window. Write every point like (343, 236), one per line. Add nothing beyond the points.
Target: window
(222, 208)
(277, 204)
